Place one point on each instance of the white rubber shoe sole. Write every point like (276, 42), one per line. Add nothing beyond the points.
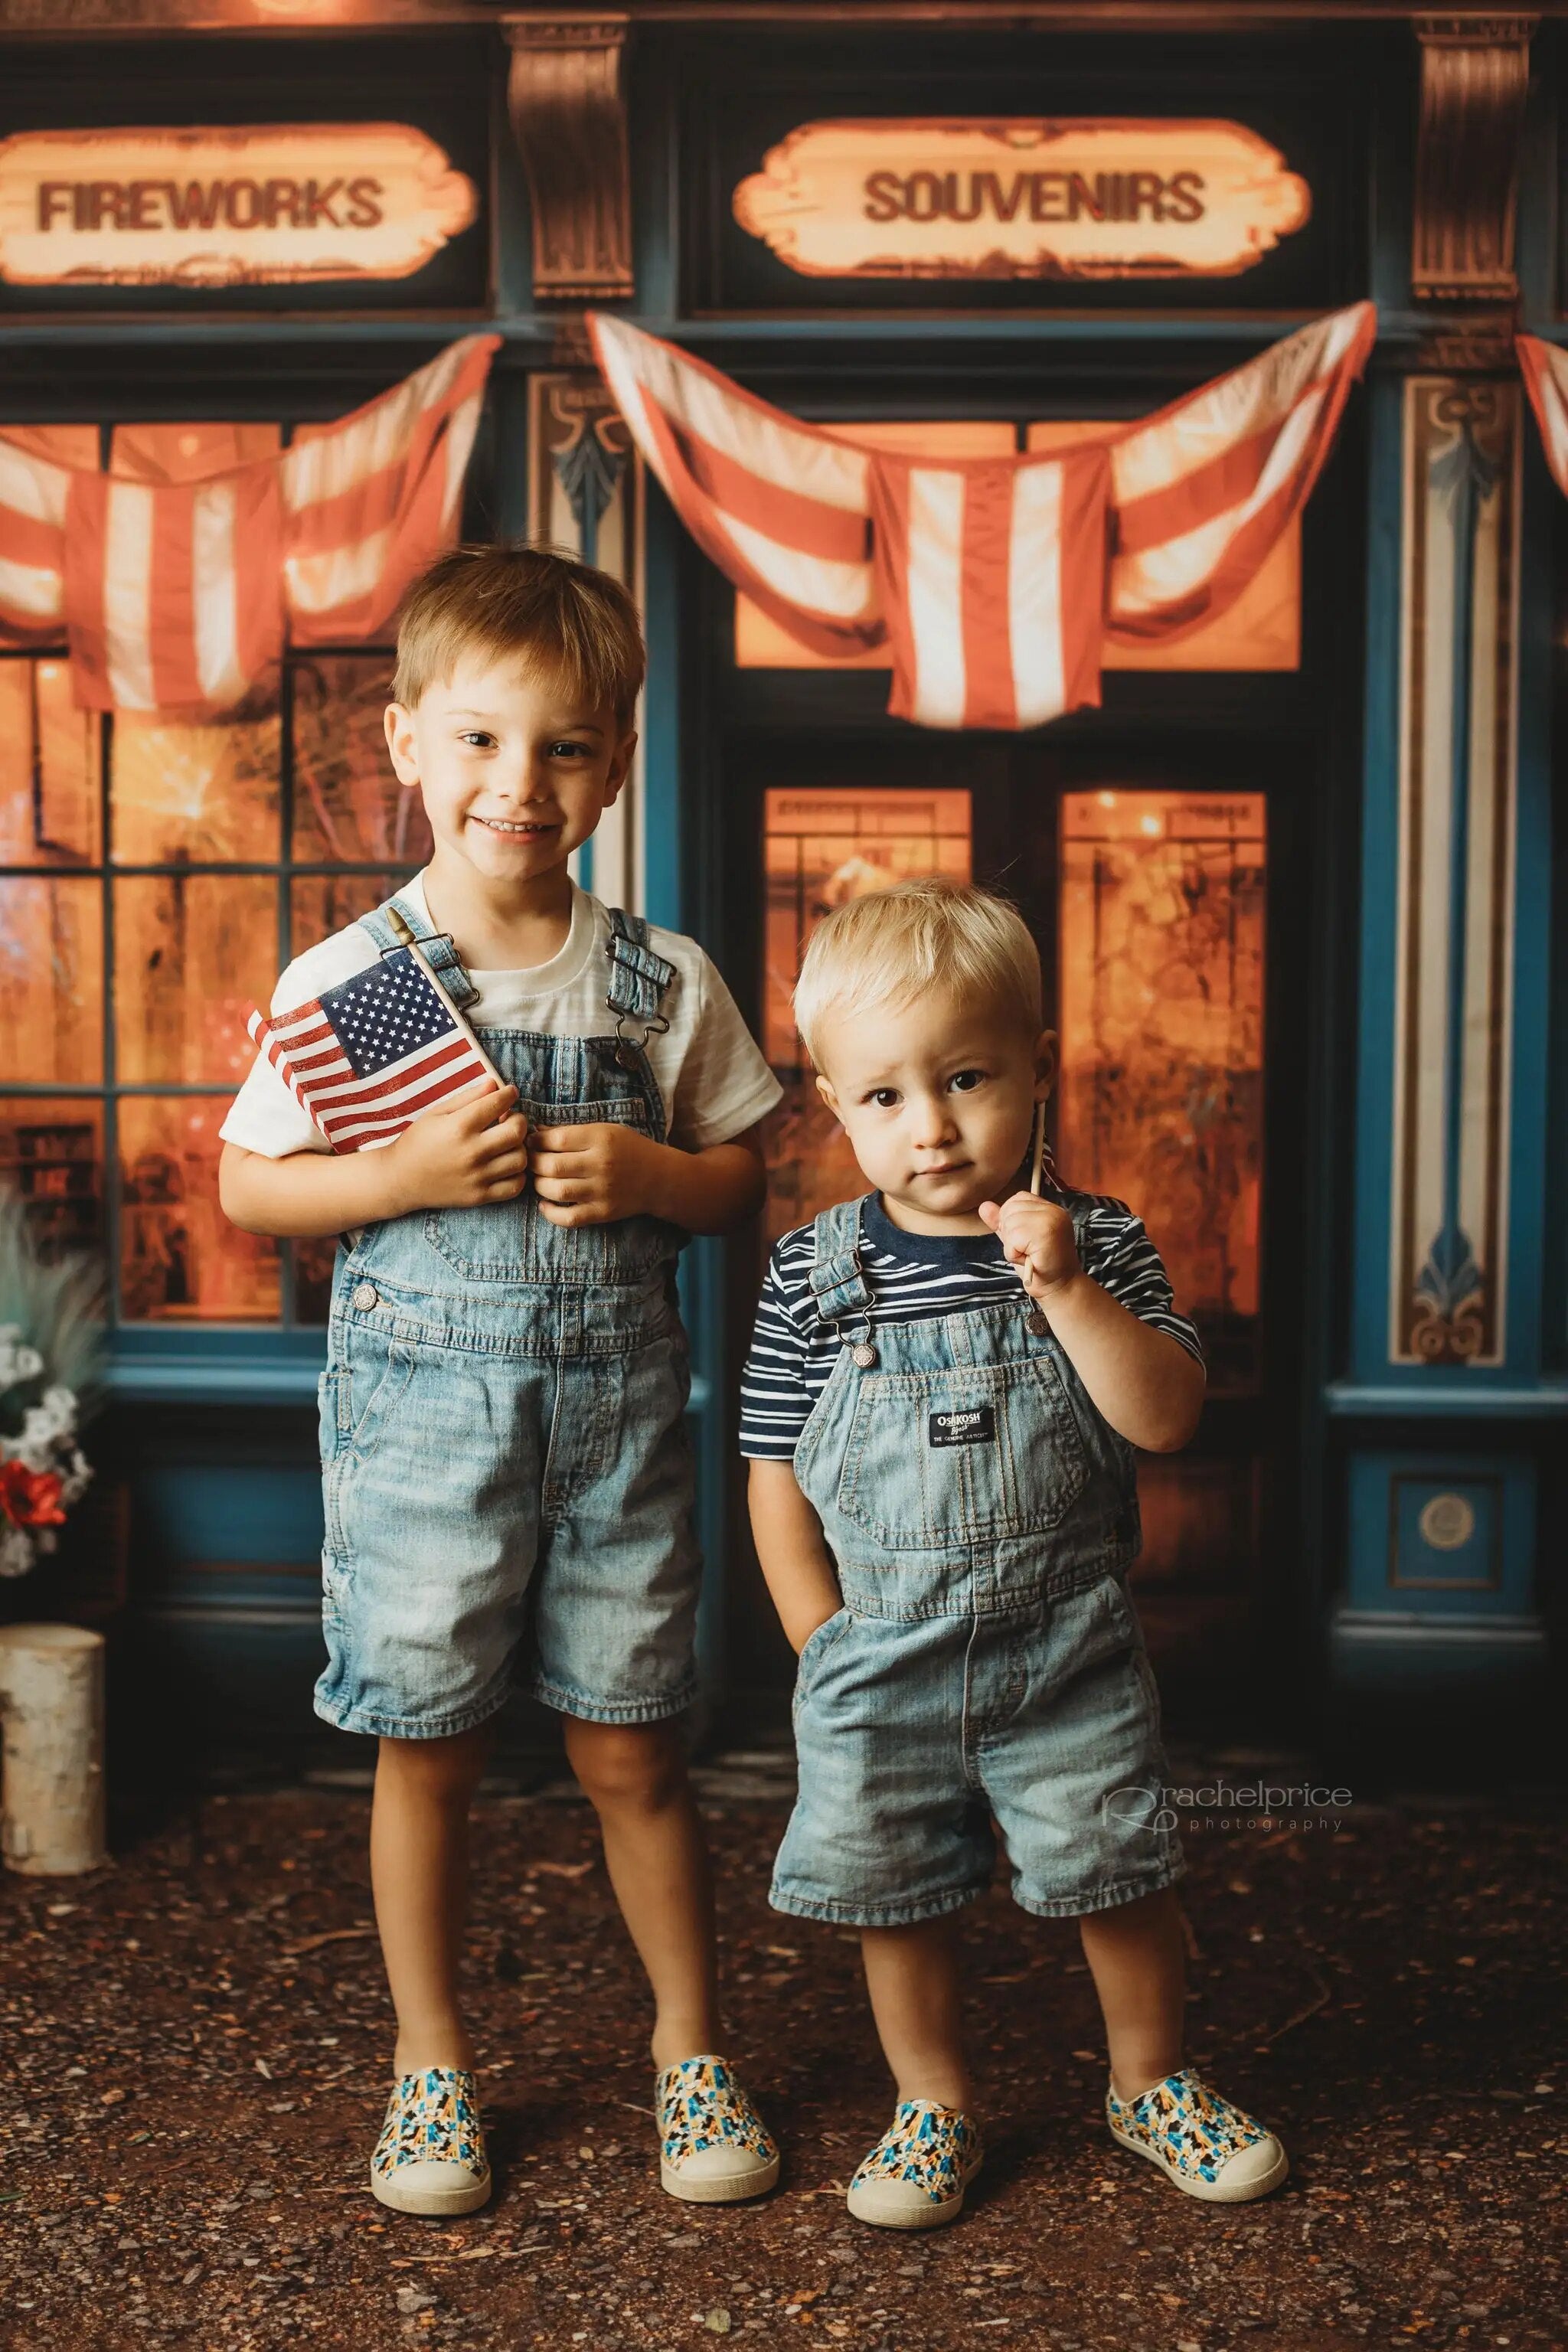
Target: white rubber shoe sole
(903, 2205)
(431, 2187)
(731, 2186)
(1251, 2172)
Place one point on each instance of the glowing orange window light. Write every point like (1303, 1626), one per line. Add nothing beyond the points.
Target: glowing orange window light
(1160, 1013)
(822, 846)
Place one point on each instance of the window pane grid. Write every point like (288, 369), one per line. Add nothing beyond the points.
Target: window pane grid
(94, 1134)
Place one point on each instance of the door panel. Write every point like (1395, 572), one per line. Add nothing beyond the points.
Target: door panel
(1160, 1006)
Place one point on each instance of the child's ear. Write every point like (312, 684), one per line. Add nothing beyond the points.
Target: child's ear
(830, 1098)
(620, 767)
(1044, 1064)
(399, 725)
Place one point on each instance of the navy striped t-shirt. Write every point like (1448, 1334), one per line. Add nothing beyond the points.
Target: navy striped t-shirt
(914, 1274)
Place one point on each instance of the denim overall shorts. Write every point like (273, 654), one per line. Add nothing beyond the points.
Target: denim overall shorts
(986, 1670)
(507, 1477)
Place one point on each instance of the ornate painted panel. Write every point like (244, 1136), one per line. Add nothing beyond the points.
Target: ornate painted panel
(586, 494)
(1454, 1009)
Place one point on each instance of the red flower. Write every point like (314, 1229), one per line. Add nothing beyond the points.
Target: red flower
(30, 1499)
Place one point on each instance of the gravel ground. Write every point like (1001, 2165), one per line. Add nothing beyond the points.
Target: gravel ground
(194, 2042)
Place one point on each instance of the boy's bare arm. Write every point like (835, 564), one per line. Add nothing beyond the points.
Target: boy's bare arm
(588, 1175)
(1145, 1385)
(797, 1563)
(453, 1158)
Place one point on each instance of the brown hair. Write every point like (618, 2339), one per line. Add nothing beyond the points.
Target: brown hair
(538, 602)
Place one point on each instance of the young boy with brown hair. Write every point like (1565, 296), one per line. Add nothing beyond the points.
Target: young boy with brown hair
(508, 1481)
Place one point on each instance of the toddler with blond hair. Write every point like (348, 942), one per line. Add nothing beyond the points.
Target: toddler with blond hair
(947, 1382)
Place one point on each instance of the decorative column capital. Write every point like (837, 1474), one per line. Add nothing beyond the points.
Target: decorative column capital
(1451, 344)
(1475, 74)
(566, 95)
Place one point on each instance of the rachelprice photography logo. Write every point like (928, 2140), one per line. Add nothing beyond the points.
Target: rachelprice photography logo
(1222, 1804)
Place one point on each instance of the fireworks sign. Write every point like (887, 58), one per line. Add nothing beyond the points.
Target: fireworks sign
(258, 205)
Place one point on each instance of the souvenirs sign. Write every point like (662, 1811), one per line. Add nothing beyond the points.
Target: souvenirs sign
(1082, 198)
(266, 204)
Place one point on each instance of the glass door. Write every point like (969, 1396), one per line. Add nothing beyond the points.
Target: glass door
(1152, 885)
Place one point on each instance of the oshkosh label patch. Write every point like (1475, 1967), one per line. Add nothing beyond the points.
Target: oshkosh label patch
(976, 1425)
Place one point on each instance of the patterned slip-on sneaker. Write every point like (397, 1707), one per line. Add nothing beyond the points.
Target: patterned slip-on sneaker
(915, 2176)
(1209, 2148)
(430, 2158)
(714, 2148)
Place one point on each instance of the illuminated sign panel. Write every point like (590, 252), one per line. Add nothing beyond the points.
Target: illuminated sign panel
(1085, 198)
(273, 204)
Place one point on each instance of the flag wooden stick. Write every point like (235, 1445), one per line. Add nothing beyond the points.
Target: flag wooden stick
(405, 938)
(1038, 1166)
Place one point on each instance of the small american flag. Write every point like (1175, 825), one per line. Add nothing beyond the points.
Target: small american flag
(366, 1057)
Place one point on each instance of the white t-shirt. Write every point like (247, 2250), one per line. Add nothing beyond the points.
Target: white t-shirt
(709, 1069)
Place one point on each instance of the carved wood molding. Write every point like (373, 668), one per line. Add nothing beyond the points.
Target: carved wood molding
(1482, 345)
(1475, 73)
(567, 99)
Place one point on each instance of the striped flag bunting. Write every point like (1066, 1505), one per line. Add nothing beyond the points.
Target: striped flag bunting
(1545, 372)
(1201, 490)
(992, 581)
(369, 500)
(365, 1058)
(990, 576)
(177, 595)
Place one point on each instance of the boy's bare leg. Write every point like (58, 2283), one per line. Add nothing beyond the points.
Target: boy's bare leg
(912, 1977)
(635, 1776)
(1136, 1955)
(419, 1869)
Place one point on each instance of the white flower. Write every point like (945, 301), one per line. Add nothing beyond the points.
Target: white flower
(47, 1442)
(16, 1551)
(50, 1423)
(17, 1363)
(77, 1478)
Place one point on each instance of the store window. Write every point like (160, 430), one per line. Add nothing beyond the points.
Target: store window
(1160, 1007)
(156, 874)
(823, 845)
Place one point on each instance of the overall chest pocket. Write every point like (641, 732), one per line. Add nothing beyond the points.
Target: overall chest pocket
(973, 1454)
(510, 1241)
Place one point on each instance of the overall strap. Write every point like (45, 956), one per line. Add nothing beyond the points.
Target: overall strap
(435, 947)
(638, 979)
(839, 1286)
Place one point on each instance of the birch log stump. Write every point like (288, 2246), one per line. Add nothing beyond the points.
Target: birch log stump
(51, 1744)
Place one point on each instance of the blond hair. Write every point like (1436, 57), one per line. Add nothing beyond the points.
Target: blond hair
(891, 945)
(539, 604)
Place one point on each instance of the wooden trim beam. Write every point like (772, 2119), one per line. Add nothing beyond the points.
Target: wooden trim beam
(568, 101)
(1474, 75)
(56, 20)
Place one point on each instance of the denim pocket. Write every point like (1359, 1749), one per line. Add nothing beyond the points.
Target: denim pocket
(509, 1240)
(1113, 1592)
(335, 1595)
(359, 1399)
(363, 1390)
(815, 1648)
(327, 1414)
(970, 1454)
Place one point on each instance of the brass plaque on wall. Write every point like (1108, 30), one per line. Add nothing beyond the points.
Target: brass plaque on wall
(1087, 197)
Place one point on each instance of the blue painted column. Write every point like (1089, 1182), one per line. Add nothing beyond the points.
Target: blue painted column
(1450, 1399)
